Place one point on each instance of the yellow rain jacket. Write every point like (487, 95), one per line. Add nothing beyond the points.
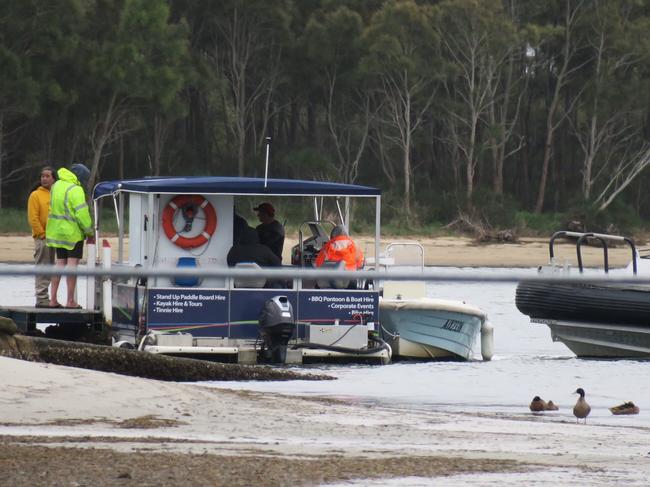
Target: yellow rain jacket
(37, 208)
(69, 221)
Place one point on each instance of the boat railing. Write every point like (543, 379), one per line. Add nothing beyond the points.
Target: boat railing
(390, 248)
(601, 237)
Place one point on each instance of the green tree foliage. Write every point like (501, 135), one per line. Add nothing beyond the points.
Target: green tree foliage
(334, 38)
(479, 41)
(133, 57)
(446, 105)
(28, 71)
(246, 50)
(403, 58)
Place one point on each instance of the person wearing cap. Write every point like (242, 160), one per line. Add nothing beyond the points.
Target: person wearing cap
(270, 231)
(68, 225)
(38, 206)
(340, 247)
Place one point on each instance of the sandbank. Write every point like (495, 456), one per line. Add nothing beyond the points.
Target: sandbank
(440, 251)
(68, 426)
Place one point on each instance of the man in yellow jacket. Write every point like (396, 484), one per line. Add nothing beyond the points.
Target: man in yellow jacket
(37, 210)
(68, 225)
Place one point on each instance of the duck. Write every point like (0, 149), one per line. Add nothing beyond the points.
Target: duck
(626, 408)
(551, 406)
(537, 404)
(582, 408)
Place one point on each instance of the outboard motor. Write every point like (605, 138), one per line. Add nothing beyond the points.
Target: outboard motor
(276, 324)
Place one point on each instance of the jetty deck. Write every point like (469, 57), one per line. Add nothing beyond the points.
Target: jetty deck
(28, 317)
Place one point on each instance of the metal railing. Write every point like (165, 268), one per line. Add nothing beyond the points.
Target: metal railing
(430, 274)
(601, 237)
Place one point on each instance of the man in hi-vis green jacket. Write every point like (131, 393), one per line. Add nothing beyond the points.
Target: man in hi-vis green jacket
(68, 225)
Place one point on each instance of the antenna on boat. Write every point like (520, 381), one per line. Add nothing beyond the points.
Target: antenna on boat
(266, 166)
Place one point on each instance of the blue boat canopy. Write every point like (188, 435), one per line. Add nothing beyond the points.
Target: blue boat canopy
(231, 186)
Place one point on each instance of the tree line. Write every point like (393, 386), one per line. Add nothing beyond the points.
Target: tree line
(448, 106)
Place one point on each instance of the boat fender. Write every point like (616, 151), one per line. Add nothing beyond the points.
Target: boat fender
(189, 204)
(107, 285)
(487, 341)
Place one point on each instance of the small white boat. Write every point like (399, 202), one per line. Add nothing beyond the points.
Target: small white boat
(423, 328)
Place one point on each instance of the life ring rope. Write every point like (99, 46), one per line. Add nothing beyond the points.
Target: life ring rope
(181, 202)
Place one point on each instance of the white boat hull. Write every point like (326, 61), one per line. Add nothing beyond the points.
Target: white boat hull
(352, 340)
(430, 329)
(406, 349)
(600, 340)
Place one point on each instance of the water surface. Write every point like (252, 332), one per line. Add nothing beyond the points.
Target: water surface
(526, 363)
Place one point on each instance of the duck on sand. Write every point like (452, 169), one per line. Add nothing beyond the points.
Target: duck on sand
(626, 408)
(582, 408)
(538, 404)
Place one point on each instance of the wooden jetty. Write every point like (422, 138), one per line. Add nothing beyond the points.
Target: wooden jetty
(74, 324)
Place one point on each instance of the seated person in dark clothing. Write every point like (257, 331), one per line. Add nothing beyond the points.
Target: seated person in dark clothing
(239, 226)
(270, 231)
(249, 249)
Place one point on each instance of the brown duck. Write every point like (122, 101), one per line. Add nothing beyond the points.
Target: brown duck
(625, 408)
(538, 404)
(582, 409)
(551, 406)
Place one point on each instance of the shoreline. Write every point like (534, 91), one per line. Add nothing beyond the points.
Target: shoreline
(81, 427)
(438, 251)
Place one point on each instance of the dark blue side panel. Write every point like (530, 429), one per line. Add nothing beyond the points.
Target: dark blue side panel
(326, 306)
(235, 313)
(245, 309)
(201, 312)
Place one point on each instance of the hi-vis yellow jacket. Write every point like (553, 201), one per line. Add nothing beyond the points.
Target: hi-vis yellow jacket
(69, 221)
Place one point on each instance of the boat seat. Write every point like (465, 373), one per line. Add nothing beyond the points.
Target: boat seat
(249, 282)
(323, 283)
(187, 281)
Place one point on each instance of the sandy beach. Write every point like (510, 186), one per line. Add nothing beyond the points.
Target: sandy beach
(68, 426)
(63, 426)
(440, 251)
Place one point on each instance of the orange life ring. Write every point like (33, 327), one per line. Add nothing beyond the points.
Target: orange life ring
(188, 204)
